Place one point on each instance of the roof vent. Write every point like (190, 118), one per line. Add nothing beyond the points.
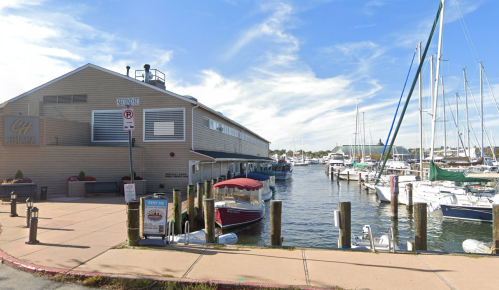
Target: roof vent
(190, 97)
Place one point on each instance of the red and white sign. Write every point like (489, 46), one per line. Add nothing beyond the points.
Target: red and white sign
(130, 192)
(128, 119)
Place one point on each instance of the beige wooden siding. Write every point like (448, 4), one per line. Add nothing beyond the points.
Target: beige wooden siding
(52, 165)
(66, 133)
(212, 140)
(102, 90)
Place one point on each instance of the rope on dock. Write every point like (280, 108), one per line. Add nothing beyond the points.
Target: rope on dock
(194, 264)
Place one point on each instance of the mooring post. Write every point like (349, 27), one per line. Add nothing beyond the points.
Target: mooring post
(348, 176)
(214, 181)
(133, 222)
(200, 192)
(495, 232)
(327, 168)
(408, 188)
(345, 224)
(208, 190)
(360, 179)
(331, 172)
(209, 220)
(275, 222)
(394, 190)
(177, 211)
(190, 205)
(420, 219)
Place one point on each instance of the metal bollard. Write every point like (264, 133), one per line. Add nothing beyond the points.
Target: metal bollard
(33, 227)
(29, 206)
(13, 204)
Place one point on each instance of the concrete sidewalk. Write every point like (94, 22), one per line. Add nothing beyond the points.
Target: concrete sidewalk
(78, 236)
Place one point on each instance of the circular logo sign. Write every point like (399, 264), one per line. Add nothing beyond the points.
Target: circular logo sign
(154, 215)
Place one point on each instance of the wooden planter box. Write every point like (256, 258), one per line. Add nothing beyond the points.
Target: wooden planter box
(77, 188)
(140, 186)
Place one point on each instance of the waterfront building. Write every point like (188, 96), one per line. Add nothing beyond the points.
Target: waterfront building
(73, 123)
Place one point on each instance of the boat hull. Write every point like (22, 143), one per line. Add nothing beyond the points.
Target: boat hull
(227, 217)
(471, 213)
(283, 175)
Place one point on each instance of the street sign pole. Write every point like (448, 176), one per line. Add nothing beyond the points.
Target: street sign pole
(131, 153)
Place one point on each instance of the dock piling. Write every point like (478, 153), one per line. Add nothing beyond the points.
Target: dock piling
(348, 176)
(420, 220)
(190, 204)
(495, 232)
(177, 211)
(133, 222)
(208, 190)
(345, 240)
(331, 172)
(275, 222)
(360, 179)
(200, 192)
(408, 188)
(209, 221)
(394, 190)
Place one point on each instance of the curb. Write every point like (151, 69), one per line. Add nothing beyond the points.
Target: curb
(32, 268)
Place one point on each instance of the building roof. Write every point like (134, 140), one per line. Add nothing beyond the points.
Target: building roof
(185, 98)
(374, 149)
(222, 156)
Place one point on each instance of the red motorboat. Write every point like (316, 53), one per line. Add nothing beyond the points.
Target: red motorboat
(239, 202)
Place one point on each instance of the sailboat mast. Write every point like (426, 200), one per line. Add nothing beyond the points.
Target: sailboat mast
(457, 124)
(356, 127)
(467, 114)
(481, 105)
(432, 84)
(364, 136)
(421, 152)
(445, 127)
(439, 55)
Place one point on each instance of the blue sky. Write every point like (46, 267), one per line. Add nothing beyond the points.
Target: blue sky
(284, 69)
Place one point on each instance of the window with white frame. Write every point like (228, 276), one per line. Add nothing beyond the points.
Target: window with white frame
(164, 125)
(107, 126)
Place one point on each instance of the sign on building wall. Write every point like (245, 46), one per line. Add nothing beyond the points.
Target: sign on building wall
(21, 131)
(128, 119)
(155, 215)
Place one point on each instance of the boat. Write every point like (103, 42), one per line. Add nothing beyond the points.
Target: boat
(264, 179)
(199, 237)
(336, 161)
(239, 202)
(283, 170)
(382, 243)
(271, 176)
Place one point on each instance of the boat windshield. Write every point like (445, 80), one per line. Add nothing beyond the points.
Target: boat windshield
(228, 194)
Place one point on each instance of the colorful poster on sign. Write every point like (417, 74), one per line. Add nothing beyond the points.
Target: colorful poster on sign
(130, 192)
(155, 215)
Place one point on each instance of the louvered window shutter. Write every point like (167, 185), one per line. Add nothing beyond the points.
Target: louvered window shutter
(107, 126)
(164, 125)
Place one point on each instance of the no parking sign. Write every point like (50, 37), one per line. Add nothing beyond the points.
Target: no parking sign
(128, 119)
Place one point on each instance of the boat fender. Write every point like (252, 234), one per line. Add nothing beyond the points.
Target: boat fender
(227, 239)
(475, 247)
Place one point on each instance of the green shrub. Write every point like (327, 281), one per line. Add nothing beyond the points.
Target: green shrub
(19, 174)
(81, 176)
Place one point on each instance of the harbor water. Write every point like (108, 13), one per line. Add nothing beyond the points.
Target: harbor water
(308, 202)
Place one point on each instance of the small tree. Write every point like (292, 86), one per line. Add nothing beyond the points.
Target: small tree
(81, 176)
(19, 174)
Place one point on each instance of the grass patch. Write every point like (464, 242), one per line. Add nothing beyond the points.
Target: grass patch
(127, 284)
(167, 276)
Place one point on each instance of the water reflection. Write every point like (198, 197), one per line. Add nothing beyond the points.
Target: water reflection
(307, 216)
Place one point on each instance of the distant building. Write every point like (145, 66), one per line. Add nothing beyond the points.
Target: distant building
(398, 151)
